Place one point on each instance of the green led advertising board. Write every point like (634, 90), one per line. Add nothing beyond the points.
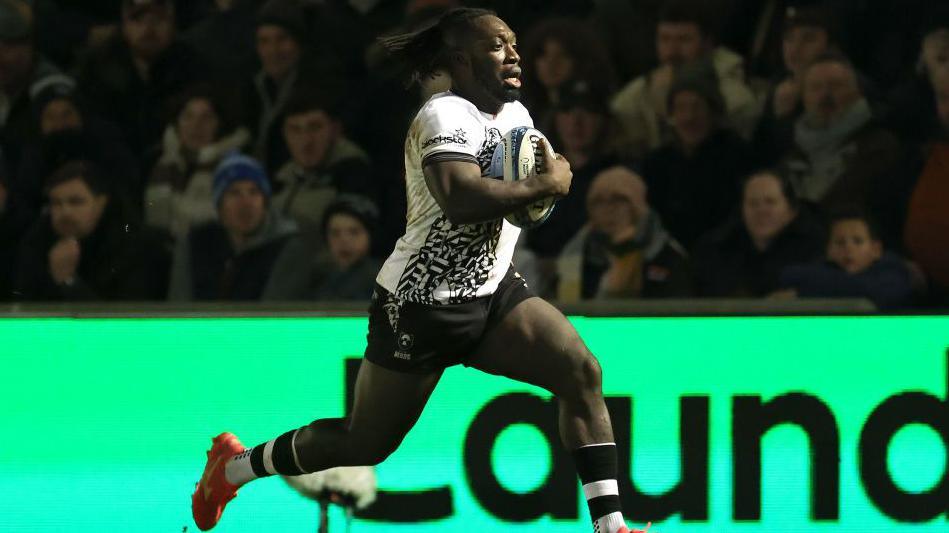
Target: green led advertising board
(723, 424)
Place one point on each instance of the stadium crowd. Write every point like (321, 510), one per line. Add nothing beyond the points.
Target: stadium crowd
(253, 150)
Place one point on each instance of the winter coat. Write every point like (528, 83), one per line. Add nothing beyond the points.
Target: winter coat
(17, 114)
(656, 266)
(109, 81)
(117, 262)
(645, 126)
(179, 193)
(887, 282)
(852, 162)
(693, 193)
(727, 264)
(207, 267)
(354, 284)
(304, 195)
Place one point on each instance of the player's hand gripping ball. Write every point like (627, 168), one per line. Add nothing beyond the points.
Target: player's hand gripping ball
(519, 156)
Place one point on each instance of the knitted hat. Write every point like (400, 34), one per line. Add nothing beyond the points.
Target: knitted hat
(287, 14)
(356, 206)
(238, 167)
(698, 77)
(16, 20)
(55, 87)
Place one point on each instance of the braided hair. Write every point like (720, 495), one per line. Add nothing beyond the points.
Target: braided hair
(422, 53)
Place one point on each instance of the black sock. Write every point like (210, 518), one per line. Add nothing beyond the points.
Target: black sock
(597, 467)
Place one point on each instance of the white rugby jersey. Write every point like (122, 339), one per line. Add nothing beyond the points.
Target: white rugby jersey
(437, 262)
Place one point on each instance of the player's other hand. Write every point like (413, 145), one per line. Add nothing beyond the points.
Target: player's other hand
(556, 178)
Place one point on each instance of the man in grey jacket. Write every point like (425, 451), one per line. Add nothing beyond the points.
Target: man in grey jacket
(248, 252)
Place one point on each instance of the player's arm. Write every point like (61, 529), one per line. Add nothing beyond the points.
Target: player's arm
(467, 198)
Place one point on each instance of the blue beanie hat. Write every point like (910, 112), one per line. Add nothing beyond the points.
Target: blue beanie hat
(238, 167)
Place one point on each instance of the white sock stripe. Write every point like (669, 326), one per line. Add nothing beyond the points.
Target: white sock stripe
(293, 448)
(599, 444)
(606, 487)
(268, 458)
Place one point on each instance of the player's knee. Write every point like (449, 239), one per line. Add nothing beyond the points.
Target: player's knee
(591, 379)
(586, 374)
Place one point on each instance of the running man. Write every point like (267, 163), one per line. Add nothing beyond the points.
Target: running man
(448, 294)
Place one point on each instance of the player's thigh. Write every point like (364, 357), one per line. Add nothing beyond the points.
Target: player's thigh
(536, 344)
(387, 403)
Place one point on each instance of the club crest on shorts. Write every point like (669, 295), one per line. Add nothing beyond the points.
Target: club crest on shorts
(405, 342)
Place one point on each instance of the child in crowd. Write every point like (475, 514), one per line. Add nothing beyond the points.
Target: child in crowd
(856, 266)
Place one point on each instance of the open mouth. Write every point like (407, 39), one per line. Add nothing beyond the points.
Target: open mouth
(513, 79)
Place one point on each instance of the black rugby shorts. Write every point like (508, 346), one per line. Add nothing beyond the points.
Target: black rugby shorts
(418, 338)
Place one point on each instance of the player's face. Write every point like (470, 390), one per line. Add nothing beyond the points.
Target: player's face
(74, 209)
(243, 208)
(492, 49)
(347, 238)
(310, 136)
(765, 210)
(852, 247)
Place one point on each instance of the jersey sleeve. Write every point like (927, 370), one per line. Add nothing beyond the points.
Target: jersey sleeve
(447, 131)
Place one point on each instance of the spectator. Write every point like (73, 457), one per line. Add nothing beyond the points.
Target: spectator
(808, 34)
(584, 131)
(62, 130)
(23, 72)
(913, 115)
(345, 270)
(744, 257)
(841, 156)
(682, 36)
(557, 51)
(629, 31)
(64, 28)
(234, 257)
(324, 163)
(225, 37)
(130, 79)
(178, 196)
(927, 225)
(855, 267)
(286, 62)
(624, 251)
(14, 221)
(694, 179)
(86, 247)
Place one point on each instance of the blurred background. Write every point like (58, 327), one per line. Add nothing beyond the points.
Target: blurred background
(760, 208)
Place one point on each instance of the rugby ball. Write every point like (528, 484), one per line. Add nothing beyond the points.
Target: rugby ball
(519, 156)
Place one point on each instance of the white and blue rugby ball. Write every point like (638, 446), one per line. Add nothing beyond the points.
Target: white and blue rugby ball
(519, 156)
